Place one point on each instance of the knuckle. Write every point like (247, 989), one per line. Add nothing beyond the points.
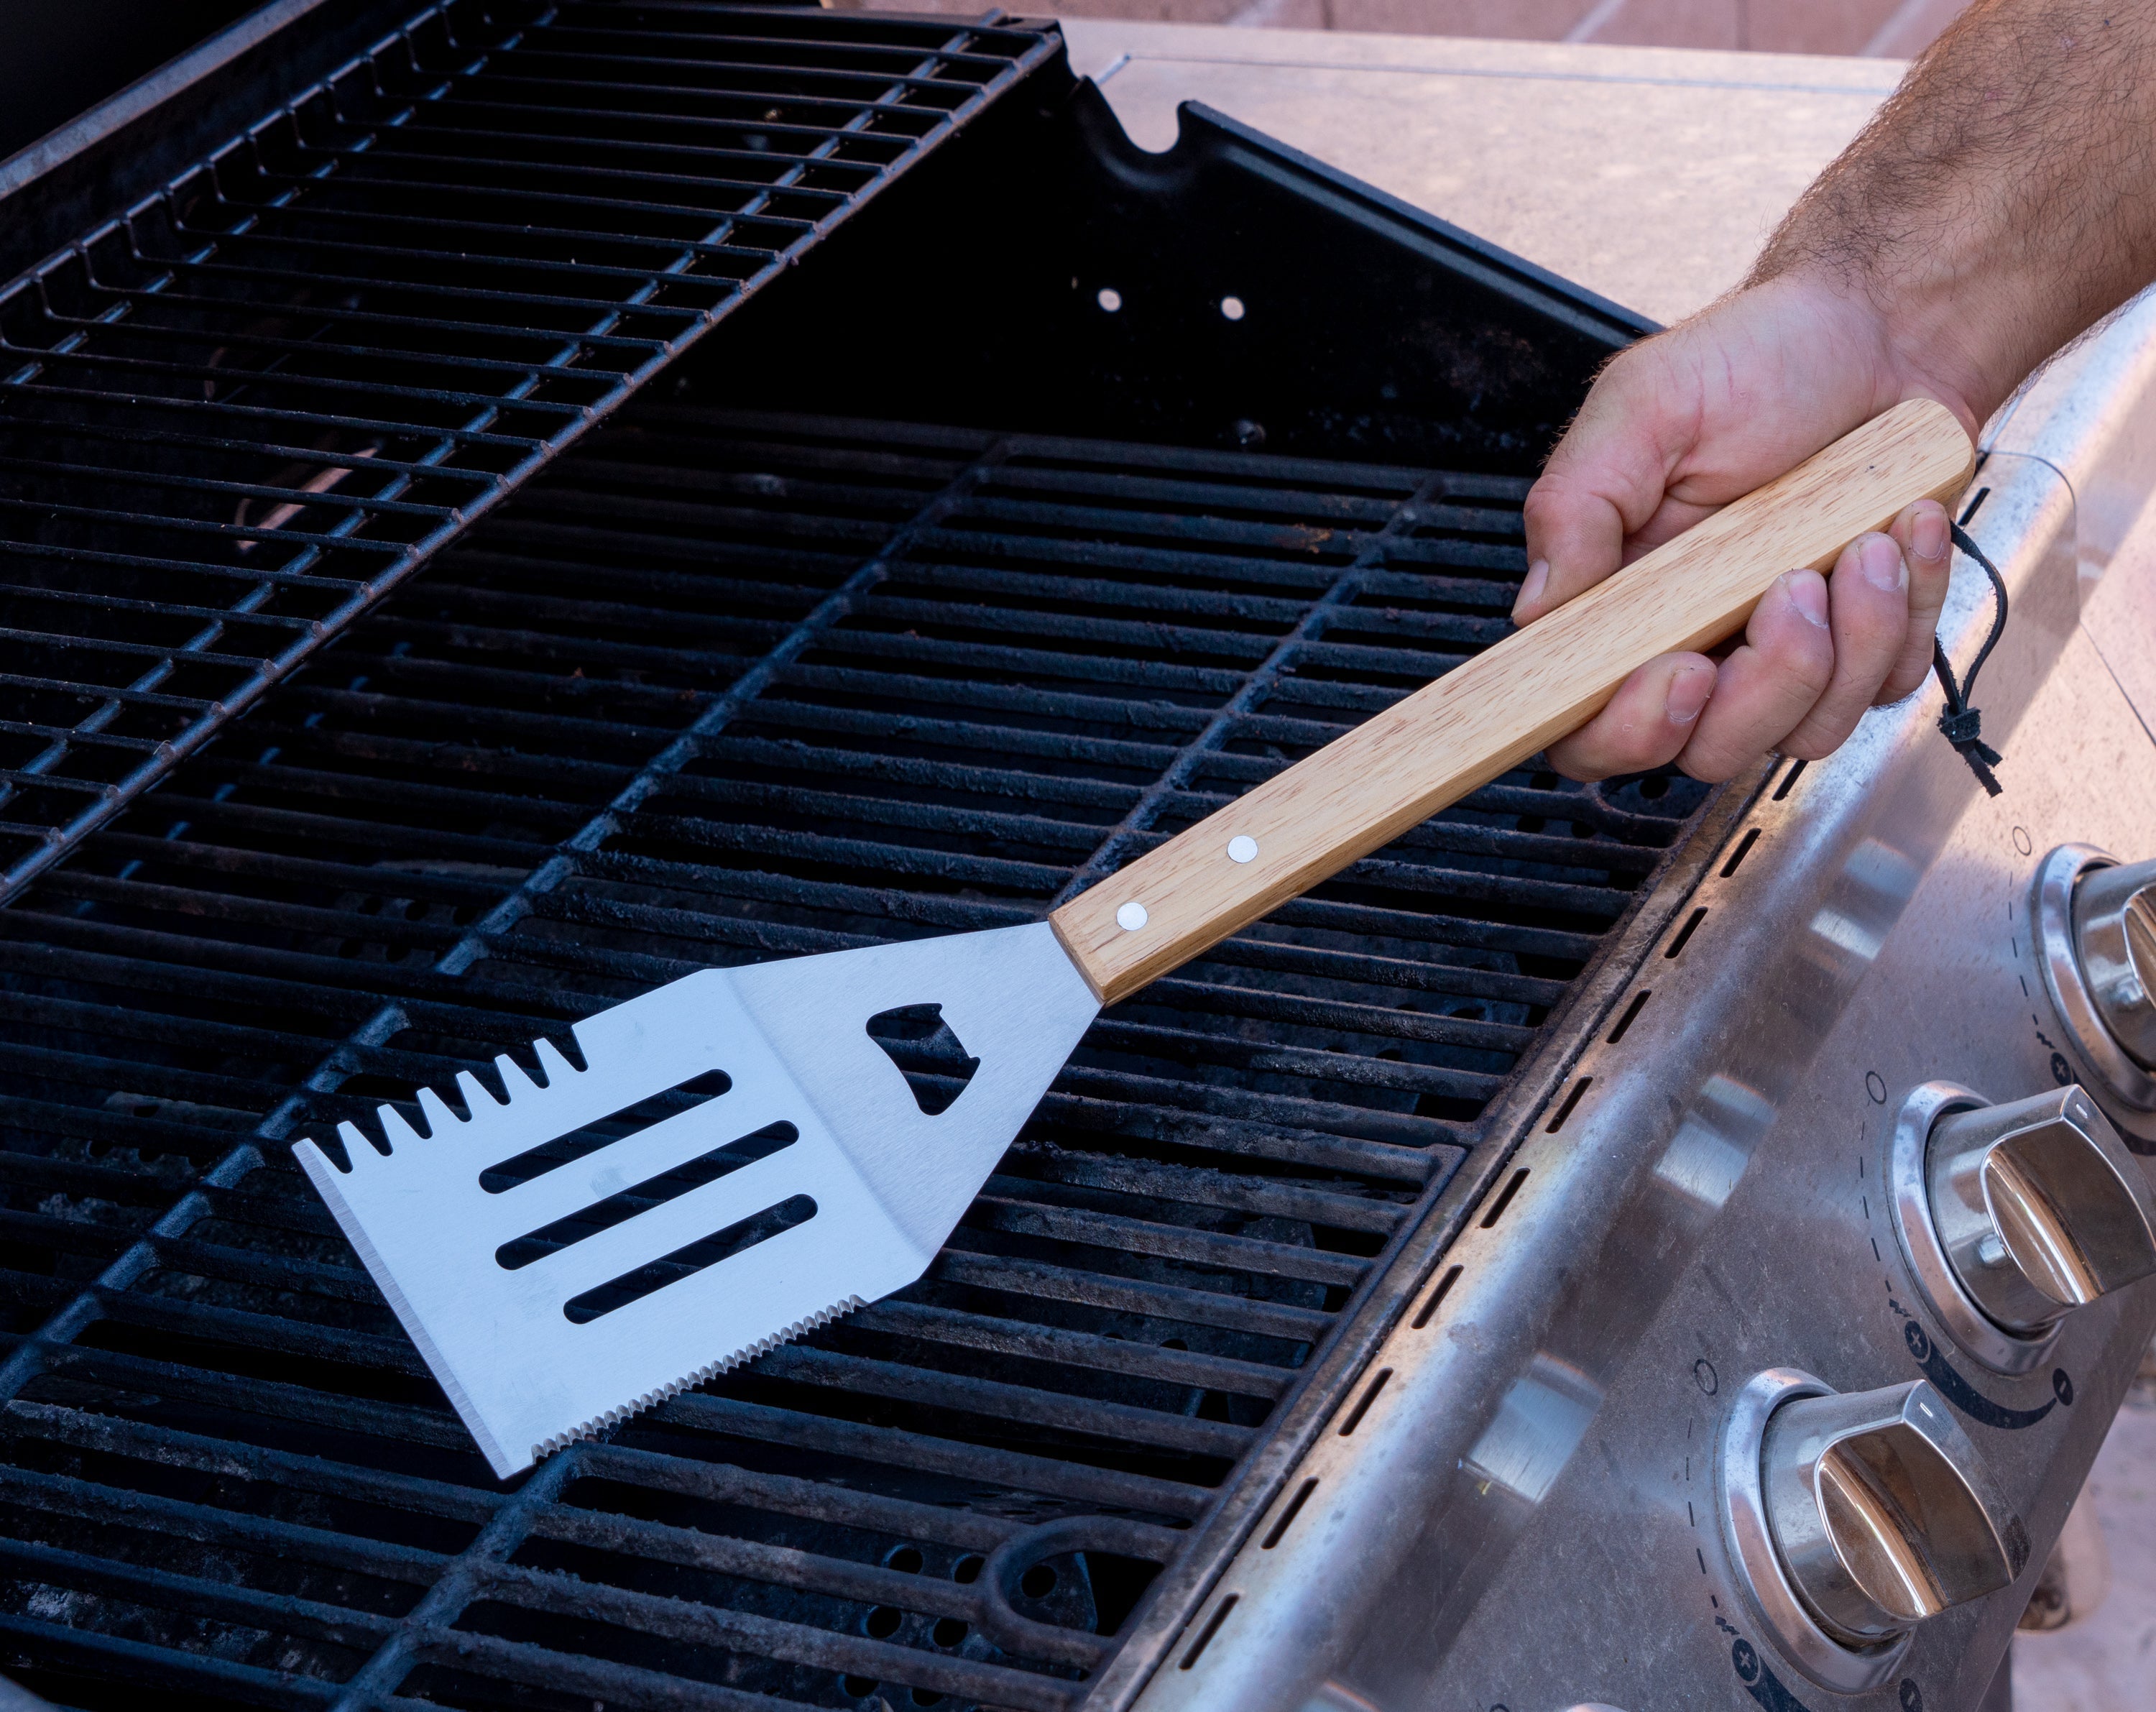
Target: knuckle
(1709, 766)
(1611, 745)
(1805, 669)
(1569, 760)
(1899, 686)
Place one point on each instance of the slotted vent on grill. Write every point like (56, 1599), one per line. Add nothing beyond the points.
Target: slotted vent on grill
(718, 689)
(232, 420)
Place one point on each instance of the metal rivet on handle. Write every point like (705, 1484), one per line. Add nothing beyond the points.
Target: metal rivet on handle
(1242, 848)
(1130, 917)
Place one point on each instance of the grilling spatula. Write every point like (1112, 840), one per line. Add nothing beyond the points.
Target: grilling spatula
(535, 1352)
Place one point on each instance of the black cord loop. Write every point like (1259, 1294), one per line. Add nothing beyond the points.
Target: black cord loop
(1961, 722)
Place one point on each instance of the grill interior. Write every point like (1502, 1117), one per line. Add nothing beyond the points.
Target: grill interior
(235, 418)
(716, 685)
(724, 686)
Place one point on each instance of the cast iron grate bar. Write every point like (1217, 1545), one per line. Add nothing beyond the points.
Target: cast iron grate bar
(951, 666)
(235, 419)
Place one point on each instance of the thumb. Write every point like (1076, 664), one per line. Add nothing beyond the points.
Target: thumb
(1606, 480)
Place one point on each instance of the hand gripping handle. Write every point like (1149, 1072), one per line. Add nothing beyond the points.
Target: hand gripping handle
(1403, 765)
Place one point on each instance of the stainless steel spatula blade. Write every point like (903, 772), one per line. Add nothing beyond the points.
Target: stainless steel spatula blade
(883, 1182)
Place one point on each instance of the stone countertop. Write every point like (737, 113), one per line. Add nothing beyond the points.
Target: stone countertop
(1650, 175)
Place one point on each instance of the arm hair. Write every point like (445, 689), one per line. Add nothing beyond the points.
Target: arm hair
(2004, 200)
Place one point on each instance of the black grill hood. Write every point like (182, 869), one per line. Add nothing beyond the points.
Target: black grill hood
(1367, 328)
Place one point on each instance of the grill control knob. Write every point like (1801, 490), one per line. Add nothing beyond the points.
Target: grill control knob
(2092, 924)
(1881, 1511)
(2114, 917)
(1852, 1519)
(2038, 1207)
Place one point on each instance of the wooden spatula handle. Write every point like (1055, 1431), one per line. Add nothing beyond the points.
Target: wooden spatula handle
(1403, 765)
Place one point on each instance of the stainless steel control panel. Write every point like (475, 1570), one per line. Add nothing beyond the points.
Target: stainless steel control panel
(1771, 1369)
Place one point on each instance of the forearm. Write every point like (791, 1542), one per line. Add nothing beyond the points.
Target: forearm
(2003, 202)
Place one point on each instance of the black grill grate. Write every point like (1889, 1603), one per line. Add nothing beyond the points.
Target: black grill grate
(717, 688)
(234, 419)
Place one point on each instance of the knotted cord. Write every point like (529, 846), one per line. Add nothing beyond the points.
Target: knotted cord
(1961, 722)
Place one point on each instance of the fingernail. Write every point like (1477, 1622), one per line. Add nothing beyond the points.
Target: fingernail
(1807, 595)
(1531, 591)
(1882, 559)
(1928, 536)
(1688, 691)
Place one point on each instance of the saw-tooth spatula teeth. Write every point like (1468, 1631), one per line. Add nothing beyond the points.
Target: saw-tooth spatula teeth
(710, 1370)
(557, 1305)
(483, 1112)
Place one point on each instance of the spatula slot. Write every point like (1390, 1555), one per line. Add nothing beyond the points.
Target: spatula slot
(736, 1238)
(933, 1060)
(642, 1197)
(566, 1149)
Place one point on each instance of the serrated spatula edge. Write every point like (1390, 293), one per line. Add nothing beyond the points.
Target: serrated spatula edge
(710, 1370)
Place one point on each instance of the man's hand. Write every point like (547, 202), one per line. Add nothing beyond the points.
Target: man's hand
(1678, 427)
(2003, 202)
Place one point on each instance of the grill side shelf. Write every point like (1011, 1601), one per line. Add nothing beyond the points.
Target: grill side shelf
(236, 419)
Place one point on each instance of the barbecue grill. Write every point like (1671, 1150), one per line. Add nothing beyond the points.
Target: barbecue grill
(508, 506)
(694, 675)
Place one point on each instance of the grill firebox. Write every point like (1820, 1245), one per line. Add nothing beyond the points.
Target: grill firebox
(726, 683)
(726, 687)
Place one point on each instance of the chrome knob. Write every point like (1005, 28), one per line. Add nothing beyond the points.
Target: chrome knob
(1882, 1513)
(2114, 917)
(2038, 1207)
(2092, 928)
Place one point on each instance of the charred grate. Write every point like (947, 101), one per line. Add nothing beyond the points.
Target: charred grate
(234, 419)
(721, 687)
